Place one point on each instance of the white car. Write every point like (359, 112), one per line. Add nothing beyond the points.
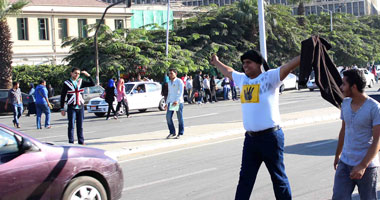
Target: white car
(148, 96)
(290, 82)
(369, 77)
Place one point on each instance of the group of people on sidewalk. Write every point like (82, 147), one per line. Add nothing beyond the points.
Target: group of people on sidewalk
(39, 103)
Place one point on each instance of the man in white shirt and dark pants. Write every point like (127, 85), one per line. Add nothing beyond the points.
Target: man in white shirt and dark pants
(264, 139)
(174, 102)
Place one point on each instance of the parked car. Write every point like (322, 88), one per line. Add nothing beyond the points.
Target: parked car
(30, 169)
(149, 97)
(88, 94)
(290, 82)
(4, 96)
(311, 82)
(370, 78)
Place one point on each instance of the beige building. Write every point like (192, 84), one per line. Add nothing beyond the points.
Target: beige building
(37, 33)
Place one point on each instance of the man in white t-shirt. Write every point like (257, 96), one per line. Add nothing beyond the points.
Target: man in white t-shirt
(264, 139)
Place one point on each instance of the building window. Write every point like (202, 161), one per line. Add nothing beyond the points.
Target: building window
(349, 8)
(361, 8)
(62, 28)
(119, 24)
(98, 20)
(22, 28)
(43, 29)
(82, 31)
(356, 8)
(313, 10)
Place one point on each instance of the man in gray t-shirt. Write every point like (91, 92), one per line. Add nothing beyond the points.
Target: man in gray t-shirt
(15, 98)
(356, 159)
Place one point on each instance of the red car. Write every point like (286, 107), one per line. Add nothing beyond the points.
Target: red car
(30, 169)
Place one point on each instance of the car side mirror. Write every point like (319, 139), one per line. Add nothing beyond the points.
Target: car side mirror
(26, 145)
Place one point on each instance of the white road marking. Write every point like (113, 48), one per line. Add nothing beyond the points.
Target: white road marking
(169, 179)
(197, 116)
(181, 149)
(320, 143)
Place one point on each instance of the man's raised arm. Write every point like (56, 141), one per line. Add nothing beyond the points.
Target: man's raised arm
(288, 67)
(226, 70)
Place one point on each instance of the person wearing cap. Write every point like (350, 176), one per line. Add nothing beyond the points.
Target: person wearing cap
(264, 138)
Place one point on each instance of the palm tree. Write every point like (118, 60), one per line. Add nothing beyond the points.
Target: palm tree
(301, 9)
(6, 9)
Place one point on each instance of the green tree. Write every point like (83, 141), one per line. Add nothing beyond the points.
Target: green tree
(7, 9)
(300, 10)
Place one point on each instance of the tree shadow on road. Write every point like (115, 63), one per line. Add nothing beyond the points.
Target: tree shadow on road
(316, 148)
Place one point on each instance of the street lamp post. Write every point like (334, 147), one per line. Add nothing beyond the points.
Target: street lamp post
(96, 36)
(263, 45)
(331, 17)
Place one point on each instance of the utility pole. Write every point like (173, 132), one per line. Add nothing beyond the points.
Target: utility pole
(167, 30)
(263, 44)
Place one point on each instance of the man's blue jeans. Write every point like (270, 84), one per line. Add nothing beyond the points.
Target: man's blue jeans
(43, 108)
(267, 148)
(344, 186)
(78, 116)
(169, 119)
(17, 111)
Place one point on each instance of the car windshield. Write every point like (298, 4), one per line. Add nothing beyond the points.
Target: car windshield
(94, 89)
(128, 88)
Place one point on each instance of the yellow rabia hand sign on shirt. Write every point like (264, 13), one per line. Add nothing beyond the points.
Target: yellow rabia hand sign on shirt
(250, 93)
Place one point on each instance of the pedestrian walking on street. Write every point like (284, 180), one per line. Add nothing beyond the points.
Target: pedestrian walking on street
(213, 89)
(189, 88)
(42, 104)
(121, 98)
(264, 139)
(356, 158)
(233, 90)
(174, 103)
(72, 88)
(50, 90)
(32, 101)
(206, 87)
(15, 98)
(164, 89)
(110, 98)
(226, 88)
(197, 88)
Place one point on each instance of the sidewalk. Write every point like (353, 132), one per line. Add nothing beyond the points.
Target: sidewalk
(122, 146)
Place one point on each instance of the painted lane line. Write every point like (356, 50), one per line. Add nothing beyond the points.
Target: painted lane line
(197, 116)
(181, 149)
(320, 143)
(169, 179)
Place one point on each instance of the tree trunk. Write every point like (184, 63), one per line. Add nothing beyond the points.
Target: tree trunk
(5, 56)
(301, 14)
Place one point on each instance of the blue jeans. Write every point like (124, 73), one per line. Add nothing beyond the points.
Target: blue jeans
(43, 108)
(226, 90)
(267, 148)
(17, 111)
(78, 116)
(169, 119)
(344, 186)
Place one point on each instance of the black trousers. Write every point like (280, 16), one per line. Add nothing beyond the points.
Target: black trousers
(125, 103)
(110, 107)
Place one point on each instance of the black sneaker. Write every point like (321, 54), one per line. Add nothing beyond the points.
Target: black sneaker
(170, 135)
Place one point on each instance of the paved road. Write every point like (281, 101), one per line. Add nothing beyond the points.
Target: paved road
(153, 120)
(210, 171)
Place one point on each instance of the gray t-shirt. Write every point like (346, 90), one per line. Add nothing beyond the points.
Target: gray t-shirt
(358, 131)
(14, 96)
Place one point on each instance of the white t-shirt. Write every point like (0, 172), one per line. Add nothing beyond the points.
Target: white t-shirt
(260, 99)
